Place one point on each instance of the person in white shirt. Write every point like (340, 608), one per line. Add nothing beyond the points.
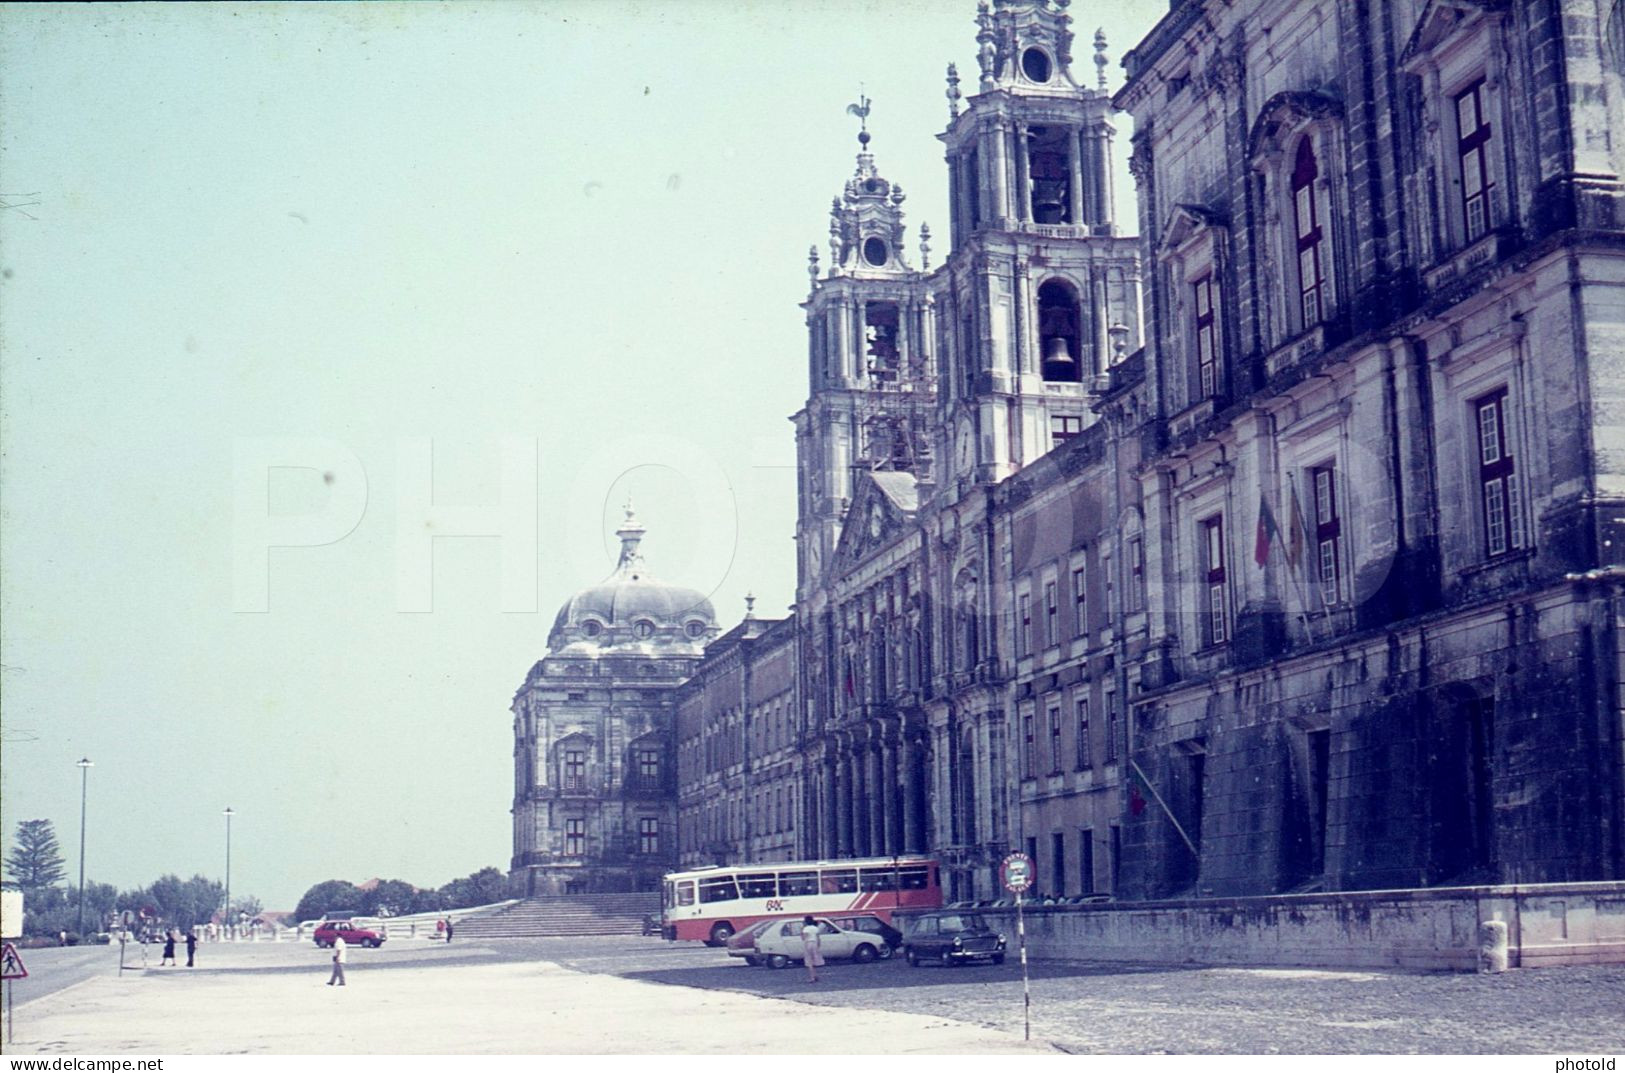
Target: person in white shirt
(809, 948)
(340, 947)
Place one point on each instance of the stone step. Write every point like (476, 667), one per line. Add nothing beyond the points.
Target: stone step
(579, 914)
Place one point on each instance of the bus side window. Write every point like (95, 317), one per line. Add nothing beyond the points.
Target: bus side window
(916, 878)
(792, 884)
(758, 885)
(718, 890)
(873, 879)
(841, 881)
(685, 892)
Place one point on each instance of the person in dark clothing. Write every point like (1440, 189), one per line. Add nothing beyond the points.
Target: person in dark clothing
(191, 946)
(448, 929)
(169, 948)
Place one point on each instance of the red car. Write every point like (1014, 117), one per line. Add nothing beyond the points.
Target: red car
(329, 930)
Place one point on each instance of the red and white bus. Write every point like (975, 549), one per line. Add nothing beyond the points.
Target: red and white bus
(710, 904)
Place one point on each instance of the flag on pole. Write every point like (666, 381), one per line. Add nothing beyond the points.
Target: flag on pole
(1267, 532)
(1294, 542)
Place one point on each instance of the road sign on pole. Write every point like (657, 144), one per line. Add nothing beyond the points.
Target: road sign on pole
(1016, 875)
(11, 963)
(1016, 872)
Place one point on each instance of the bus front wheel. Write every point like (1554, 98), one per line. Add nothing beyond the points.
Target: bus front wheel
(721, 932)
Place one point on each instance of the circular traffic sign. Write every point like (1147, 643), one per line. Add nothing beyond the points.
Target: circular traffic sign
(1016, 872)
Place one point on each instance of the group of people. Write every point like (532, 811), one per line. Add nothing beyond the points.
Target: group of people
(171, 937)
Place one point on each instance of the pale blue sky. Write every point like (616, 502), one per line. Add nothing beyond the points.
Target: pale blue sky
(580, 223)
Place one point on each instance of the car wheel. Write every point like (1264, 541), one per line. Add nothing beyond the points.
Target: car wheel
(864, 953)
(777, 961)
(885, 951)
(752, 959)
(998, 959)
(721, 932)
(375, 943)
(912, 958)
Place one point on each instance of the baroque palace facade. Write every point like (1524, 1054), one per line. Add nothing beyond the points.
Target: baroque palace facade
(1275, 549)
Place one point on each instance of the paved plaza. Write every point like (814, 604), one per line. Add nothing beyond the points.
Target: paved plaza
(634, 995)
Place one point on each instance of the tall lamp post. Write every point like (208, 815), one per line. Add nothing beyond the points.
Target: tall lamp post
(226, 916)
(84, 766)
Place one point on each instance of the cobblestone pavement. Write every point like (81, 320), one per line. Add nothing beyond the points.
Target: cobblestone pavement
(1097, 1008)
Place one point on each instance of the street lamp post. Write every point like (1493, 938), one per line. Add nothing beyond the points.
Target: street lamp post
(226, 916)
(84, 766)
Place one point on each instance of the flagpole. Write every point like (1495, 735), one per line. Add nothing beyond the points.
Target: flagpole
(1296, 521)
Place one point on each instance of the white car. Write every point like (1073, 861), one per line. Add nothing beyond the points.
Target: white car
(778, 946)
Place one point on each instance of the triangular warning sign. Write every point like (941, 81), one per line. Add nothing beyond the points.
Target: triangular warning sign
(11, 963)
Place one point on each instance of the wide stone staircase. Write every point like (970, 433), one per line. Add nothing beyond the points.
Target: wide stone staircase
(568, 914)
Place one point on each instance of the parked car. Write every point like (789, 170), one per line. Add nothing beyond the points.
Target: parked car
(876, 927)
(329, 930)
(952, 938)
(778, 946)
(742, 944)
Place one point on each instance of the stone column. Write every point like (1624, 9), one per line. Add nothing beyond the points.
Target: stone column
(875, 801)
(912, 827)
(894, 798)
(842, 778)
(1001, 174)
(827, 841)
(1024, 175)
(1074, 177)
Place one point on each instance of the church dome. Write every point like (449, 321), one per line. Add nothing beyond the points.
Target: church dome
(633, 607)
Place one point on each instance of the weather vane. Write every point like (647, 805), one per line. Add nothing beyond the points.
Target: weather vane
(861, 110)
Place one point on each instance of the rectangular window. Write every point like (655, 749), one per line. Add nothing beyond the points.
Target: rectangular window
(1058, 867)
(1055, 740)
(649, 765)
(1328, 534)
(1085, 760)
(1310, 236)
(1062, 429)
(1086, 861)
(1111, 727)
(575, 770)
(1501, 497)
(1107, 572)
(1472, 148)
(1136, 574)
(1024, 638)
(575, 838)
(1215, 620)
(1080, 602)
(649, 835)
(1207, 337)
(1052, 615)
(1027, 764)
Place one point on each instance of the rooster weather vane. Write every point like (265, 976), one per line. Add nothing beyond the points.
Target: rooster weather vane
(861, 110)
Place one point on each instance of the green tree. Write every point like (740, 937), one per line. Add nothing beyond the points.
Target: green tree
(248, 906)
(390, 898)
(185, 903)
(482, 888)
(331, 896)
(35, 860)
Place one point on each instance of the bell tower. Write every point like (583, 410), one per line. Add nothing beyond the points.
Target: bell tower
(870, 371)
(1039, 290)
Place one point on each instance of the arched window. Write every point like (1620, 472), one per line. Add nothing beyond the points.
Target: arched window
(1060, 340)
(1311, 235)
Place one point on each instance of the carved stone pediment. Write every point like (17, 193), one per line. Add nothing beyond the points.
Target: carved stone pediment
(1187, 222)
(883, 508)
(1440, 21)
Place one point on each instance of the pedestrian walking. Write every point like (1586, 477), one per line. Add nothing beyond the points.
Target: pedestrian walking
(169, 948)
(810, 954)
(448, 929)
(340, 948)
(191, 946)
